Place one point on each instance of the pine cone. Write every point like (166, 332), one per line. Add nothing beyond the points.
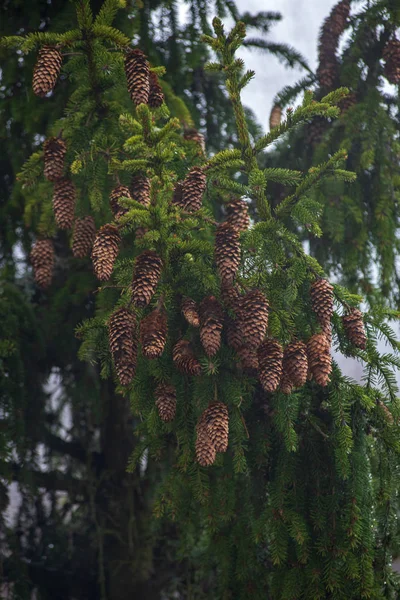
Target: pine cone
(156, 96)
(153, 333)
(253, 318)
(46, 71)
(192, 135)
(322, 301)
(205, 449)
(227, 252)
(217, 421)
(137, 73)
(275, 117)
(191, 312)
(238, 214)
(286, 385)
(54, 154)
(105, 251)
(270, 355)
(140, 189)
(391, 56)
(64, 199)
(146, 276)
(84, 236)
(248, 361)
(319, 358)
(234, 335)
(354, 327)
(166, 401)
(193, 188)
(295, 363)
(211, 319)
(231, 297)
(384, 412)
(315, 131)
(332, 29)
(121, 191)
(347, 102)
(42, 259)
(123, 343)
(184, 358)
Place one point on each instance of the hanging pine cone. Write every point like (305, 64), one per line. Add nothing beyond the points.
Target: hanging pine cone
(217, 420)
(205, 449)
(153, 333)
(156, 96)
(46, 70)
(253, 318)
(354, 327)
(332, 29)
(270, 355)
(211, 319)
(192, 135)
(227, 252)
(234, 335)
(319, 358)
(137, 73)
(190, 311)
(238, 214)
(391, 56)
(84, 236)
(121, 191)
(105, 251)
(231, 297)
(64, 199)
(140, 189)
(54, 153)
(295, 363)
(193, 188)
(42, 259)
(286, 385)
(123, 343)
(146, 276)
(184, 358)
(165, 394)
(248, 361)
(322, 301)
(347, 102)
(384, 412)
(275, 117)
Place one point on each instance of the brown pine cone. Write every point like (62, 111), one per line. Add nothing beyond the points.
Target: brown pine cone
(137, 73)
(191, 312)
(121, 191)
(217, 420)
(248, 361)
(156, 96)
(354, 327)
(153, 333)
(275, 117)
(332, 29)
(83, 237)
(286, 385)
(193, 188)
(231, 297)
(384, 412)
(347, 102)
(211, 320)
(234, 335)
(227, 252)
(319, 358)
(165, 394)
(64, 199)
(192, 135)
(391, 56)
(123, 343)
(295, 363)
(184, 358)
(140, 189)
(42, 259)
(205, 449)
(253, 318)
(270, 355)
(322, 301)
(146, 276)
(105, 251)
(46, 70)
(238, 214)
(54, 154)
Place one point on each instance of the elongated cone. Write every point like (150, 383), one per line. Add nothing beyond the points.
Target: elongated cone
(123, 343)
(384, 412)
(217, 420)
(295, 363)
(270, 355)
(165, 394)
(227, 252)
(238, 214)
(211, 321)
(319, 358)
(156, 96)
(190, 311)
(192, 135)
(42, 259)
(84, 236)
(184, 358)
(140, 189)
(248, 361)
(286, 385)
(121, 191)
(137, 73)
(231, 297)
(391, 56)
(253, 318)
(333, 27)
(54, 154)
(105, 251)
(322, 301)
(193, 188)
(354, 327)
(64, 199)
(153, 333)
(146, 276)
(275, 117)
(205, 449)
(234, 335)
(46, 70)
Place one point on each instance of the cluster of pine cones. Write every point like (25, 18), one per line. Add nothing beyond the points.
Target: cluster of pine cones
(332, 29)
